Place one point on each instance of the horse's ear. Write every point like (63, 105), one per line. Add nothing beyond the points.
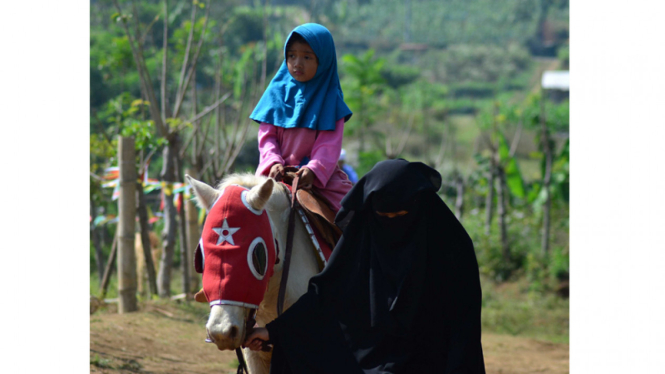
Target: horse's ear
(259, 195)
(205, 195)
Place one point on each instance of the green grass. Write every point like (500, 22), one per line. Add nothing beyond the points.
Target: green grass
(129, 365)
(511, 309)
(101, 362)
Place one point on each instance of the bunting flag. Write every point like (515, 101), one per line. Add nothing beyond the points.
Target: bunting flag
(202, 216)
(179, 187)
(102, 220)
(178, 191)
(150, 185)
(156, 217)
(111, 173)
(177, 200)
(116, 192)
(151, 217)
(167, 188)
(111, 184)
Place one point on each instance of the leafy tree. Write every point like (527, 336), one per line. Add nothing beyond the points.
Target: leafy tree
(364, 82)
(546, 118)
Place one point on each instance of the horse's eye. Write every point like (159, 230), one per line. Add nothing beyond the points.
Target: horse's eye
(199, 257)
(257, 258)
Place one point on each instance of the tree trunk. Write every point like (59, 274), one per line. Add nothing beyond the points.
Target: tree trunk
(145, 239)
(501, 211)
(99, 255)
(184, 258)
(548, 175)
(489, 202)
(494, 164)
(459, 201)
(193, 235)
(169, 232)
(363, 125)
(126, 226)
(165, 49)
(109, 267)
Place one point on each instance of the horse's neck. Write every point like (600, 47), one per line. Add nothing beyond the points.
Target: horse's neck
(303, 266)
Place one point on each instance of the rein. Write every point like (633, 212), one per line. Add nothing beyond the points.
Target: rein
(242, 364)
(289, 247)
(249, 326)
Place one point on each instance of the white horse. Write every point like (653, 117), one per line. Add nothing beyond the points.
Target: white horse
(226, 323)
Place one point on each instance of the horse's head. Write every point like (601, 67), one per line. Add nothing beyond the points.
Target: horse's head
(236, 255)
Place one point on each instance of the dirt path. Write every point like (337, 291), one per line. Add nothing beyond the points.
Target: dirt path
(163, 338)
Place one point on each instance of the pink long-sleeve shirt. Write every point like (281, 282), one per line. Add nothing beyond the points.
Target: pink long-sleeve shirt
(278, 145)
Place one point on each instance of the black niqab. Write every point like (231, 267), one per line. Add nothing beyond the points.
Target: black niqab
(399, 295)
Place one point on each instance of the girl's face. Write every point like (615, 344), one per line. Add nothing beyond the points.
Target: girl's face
(301, 61)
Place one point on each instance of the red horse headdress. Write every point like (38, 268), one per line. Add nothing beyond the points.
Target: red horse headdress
(236, 253)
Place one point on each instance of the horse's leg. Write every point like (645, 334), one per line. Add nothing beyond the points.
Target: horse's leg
(258, 362)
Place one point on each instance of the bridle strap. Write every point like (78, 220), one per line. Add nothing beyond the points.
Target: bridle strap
(288, 249)
(242, 365)
(249, 327)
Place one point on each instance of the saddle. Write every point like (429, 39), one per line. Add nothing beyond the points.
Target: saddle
(317, 209)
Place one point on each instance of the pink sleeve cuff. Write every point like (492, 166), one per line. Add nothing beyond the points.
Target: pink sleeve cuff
(320, 171)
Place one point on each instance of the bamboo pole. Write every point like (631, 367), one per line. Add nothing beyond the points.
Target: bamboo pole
(126, 226)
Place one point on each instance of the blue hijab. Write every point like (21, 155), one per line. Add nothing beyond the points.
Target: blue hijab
(316, 104)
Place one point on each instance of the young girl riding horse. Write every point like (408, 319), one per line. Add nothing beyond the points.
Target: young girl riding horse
(302, 115)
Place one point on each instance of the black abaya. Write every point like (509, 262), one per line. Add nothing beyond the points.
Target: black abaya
(399, 295)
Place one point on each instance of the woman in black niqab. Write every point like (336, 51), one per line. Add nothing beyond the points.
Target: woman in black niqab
(401, 292)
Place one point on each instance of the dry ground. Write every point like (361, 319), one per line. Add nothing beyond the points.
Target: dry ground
(166, 338)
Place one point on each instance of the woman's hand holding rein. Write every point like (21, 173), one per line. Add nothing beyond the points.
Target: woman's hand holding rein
(256, 339)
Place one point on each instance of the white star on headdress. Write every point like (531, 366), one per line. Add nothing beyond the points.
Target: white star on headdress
(229, 232)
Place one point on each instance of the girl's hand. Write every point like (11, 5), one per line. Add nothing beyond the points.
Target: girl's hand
(256, 340)
(306, 178)
(277, 172)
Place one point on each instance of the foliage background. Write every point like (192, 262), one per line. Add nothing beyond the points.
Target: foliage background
(616, 147)
(454, 84)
